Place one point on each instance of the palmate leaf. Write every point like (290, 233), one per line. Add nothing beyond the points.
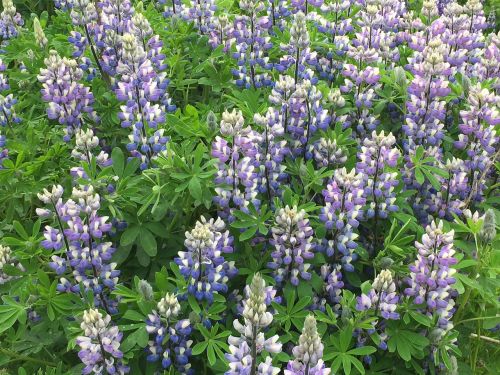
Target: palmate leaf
(10, 313)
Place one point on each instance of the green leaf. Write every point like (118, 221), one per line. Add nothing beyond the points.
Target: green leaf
(128, 237)
(199, 347)
(148, 242)
(195, 188)
(11, 313)
(345, 338)
(118, 161)
(363, 350)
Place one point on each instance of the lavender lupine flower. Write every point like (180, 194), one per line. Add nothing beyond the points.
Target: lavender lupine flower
(10, 20)
(8, 116)
(237, 176)
(280, 98)
(143, 89)
(299, 54)
(363, 83)
(478, 136)
(203, 264)
(85, 144)
(328, 153)
(431, 276)
(7, 258)
(426, 109)
(307, 116)
(292, 239)
(221, 32)
(344, 199)
(382, 297)
(4, 153)
(162, 324)
(171, 8)
(252, 41)
(201, 13)
(308, 353)
(376, 156)
(40, 37)
(454, 188)
(244, 350)
(100, 345)
(78, 244)
(272, 151)
(278, 11)
(69, 101)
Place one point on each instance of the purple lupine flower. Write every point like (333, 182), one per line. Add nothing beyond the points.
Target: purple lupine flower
(377, 154)
(78, 244)
(203, 264)
(7, 258)
(10, 20)
(8, 116)
(115, 21)
(307, 116)
(363, 83)
(171, 8)
(170, 343)
(478, 136)
(272, 151)
(201, 13)
(144, 91)
(85, 143)
(426, 109)
(4, 152)
(69, 101)
(237, 176)
(252, 41)
(293, 243)
(299, 54)
(221, 32)
(278, 11)
(431, 276)
(243, 350)
(344, 200)
(308, 353)
(381, 298)
(100, 345)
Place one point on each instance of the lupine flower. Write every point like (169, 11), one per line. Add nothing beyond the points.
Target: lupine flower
(236, 178)
(143, 90)
(252, 42)
(344, 200)
(69, 101)
(162, 324)
(478, 136)
(382, 297)
(292, 239)
(40, 37)
(10, 20)
(8, 116)
(272, 150)
(80, 232)
(4, 153)
(100, 345)
(203, 264)
(431, 276)
(363, 83)
(85, 144)
(376, 155)
(307, 116)
(308, 353)
(298, 50)
(244, 350)
(201, 13)
(6, 258)
(171, 7)
(426, 110)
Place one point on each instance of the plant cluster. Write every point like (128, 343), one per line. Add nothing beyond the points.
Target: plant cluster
(306, 187)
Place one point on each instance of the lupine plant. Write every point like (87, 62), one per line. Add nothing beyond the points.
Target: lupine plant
(298, 187)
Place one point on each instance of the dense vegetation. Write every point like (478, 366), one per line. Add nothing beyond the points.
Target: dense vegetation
(304, 187)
